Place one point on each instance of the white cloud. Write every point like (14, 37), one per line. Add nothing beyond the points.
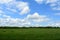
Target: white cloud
(51, 1)
(25, 10)
(1, 12)
(16, 6)
(39, 1)
(27, 21)
(13, 10)
(57, 14)
(37, 18)
(23, 7)
(46, 1)
(56, 8)
(57, 24)
(21, 4)
(9, 21)
(54, 4)
(5, 1)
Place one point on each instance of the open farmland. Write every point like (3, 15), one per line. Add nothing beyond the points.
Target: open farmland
(30, 34)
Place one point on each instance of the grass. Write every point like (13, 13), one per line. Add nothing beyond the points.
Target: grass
(30, 34)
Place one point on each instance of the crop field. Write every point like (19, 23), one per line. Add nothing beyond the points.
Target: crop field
(30, 34)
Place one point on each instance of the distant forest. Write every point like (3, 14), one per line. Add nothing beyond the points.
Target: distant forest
(16, 27)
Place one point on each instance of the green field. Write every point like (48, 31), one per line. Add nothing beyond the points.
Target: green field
(30, 34)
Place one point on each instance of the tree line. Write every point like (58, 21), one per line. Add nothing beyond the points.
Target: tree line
(9, 27)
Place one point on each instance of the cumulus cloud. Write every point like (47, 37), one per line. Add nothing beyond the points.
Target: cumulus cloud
(27, 21)
(15, 6)
(6, 20)
(13, 10)
(5, 1)
(9, 21)
(37, 18)
(51, 1)
(25, 10)
(1, 12)
(57, 24)
(54, 4)
(46, 1)
(39, 1)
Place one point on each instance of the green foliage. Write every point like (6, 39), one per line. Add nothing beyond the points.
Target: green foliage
(9, 27)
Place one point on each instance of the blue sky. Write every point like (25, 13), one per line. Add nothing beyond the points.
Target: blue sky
(29, 12)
